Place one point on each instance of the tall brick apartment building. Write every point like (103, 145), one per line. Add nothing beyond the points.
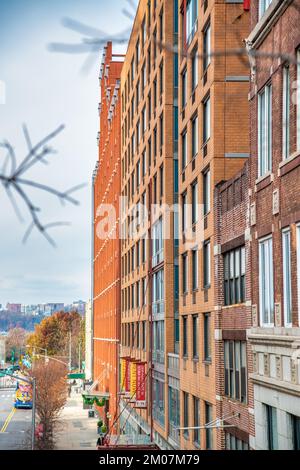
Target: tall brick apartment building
(106, 250)
(149, 85)
(213, 146)
(275, 222)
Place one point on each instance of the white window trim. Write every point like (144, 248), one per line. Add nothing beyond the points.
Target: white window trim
(266, 94)
(285, 273)
(268, 324)
(286, 114)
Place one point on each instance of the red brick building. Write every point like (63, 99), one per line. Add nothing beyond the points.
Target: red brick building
(233, 313)
(274, 48)
(106, 256)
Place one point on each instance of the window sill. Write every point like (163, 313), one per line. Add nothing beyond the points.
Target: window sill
(196, 359)
(207, 362)
(242, 304)
(263, 177)
(289, 164)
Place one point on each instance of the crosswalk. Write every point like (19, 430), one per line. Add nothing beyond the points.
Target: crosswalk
(6, 396)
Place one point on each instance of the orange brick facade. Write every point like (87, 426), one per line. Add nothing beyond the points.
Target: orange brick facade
(106, 271)
(222, 146)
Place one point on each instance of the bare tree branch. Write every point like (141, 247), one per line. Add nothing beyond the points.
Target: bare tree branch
(13, 183)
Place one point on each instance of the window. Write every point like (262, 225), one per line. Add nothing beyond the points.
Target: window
(298, 99)
(184, 273)
(137, 53)
(132, 296)
(138, 294)
(206, 192)
(265, 131)
(266, 288)
(138, 173)
(206, 264)
(184, 88)
(138, 335)
(132, 71)
(287, 287)
(206, 331)
(235, 370)
(143, 32)
(194, 136)
(185, 414)
(184, 150)
(233, 443)
(174, 412)
(194, 69)
(144, 164)
(195, 337)
(161, 181)
(234, 276)
(157, 243)
(191, 19)
(155, 142)
(144, 335)
(184, 212)
(159, 401)
(161, 78)
(196, 409)
(144, 123)
(286, 113)
(158, 292)
(298, 268)
(143, 78)
(208, 431)
(195, 269)
(161, 129)
(206, 120)
(185, 336)
(194, 202)
(263, 5)
(295, 422)
(158, 342)
(272, 434)
(206, 47)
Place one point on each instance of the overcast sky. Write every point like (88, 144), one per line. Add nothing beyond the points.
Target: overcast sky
(43, 90)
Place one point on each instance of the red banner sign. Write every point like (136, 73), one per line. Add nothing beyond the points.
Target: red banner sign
(140, 385)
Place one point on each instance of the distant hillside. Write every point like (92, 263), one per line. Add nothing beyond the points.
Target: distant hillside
(10, 320)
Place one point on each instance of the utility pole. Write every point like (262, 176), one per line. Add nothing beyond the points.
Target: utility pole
(79, 355)
(70, 350)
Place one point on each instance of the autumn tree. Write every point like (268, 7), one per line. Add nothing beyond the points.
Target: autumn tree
(58, 334)
(16, 342)
(51, 397)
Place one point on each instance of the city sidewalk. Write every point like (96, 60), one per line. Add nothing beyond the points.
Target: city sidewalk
(77, 431)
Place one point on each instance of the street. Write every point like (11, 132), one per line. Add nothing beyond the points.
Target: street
(15, 425)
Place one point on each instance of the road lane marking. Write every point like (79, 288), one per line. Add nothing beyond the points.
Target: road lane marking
(8, 420)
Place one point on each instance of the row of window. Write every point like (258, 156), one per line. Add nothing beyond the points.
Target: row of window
(134, 296)
(134, 335)
(195, 422)
(265, 120)
(194, 76)
(206, 268)
(151, 55)
(193, 143)
(266, 278)
(154, 144)
(134, 182)
(197, 321)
